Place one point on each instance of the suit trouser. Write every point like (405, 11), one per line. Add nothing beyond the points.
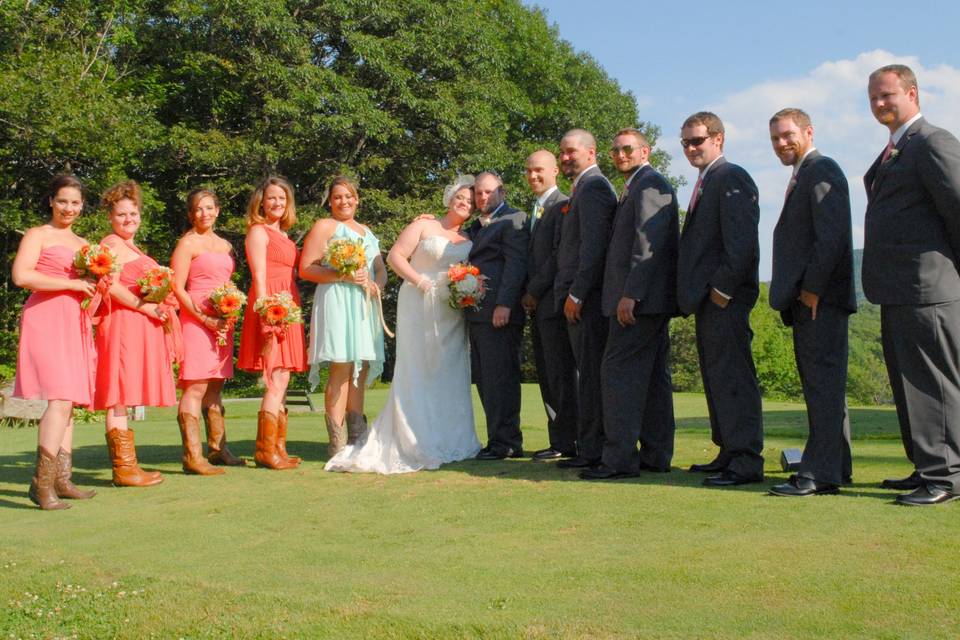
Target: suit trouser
(495, 354)
(588, 339)
(730, 382)
(637, 395)
(557, 376)
(821, 348)
(921, 345)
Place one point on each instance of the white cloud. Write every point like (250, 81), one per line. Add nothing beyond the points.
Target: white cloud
(835, 96)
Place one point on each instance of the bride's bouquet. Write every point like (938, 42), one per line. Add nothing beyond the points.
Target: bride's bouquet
(466, 286)
(97, 263)
(228, 302)
(346, 256)
(155, 285)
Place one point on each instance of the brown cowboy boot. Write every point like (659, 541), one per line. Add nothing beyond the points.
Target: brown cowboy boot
(123, 459)
(62, 485)
(337, 434)
(282, 438)
(41, 491)
(217, 451)
(193, 460)
(356, 426)
(266, 452)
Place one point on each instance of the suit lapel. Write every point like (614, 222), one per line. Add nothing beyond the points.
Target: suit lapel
(879, 169)
(687, 219)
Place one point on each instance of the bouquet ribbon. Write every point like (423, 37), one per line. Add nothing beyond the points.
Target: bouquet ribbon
(172, 331)
(102, 295)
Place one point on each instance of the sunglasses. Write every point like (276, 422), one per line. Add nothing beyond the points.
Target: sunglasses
(626, 150)
(686, 143)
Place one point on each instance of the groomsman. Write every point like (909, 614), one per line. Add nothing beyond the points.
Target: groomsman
(500, 239)
(556, 367)
(584, 235)
(717, 281)
(639, 297)
(812, 288)
(910, 254)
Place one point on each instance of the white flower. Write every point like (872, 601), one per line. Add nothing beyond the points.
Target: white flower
(468, 284)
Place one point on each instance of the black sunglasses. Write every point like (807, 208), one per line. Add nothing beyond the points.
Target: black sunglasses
(693, 142)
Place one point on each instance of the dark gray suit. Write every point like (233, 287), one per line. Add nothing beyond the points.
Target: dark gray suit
(911, 247)
(813, 251)
(556, 366)
(641, 264)
(584, 235)
(719, 249)
(500, 252)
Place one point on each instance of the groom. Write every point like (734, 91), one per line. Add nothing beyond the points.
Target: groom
(500, 238)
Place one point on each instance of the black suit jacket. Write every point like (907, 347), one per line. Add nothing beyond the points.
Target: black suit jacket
(912, 234)
(719, 247)
(812, 242)
(542, 257)
(584, 234)
(642, 256)
(500, 252)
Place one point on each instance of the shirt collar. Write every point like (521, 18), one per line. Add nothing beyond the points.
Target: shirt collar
(903, 128)
(577, 179)
(634, 174)
(796, 167)
(546, 194)
(709, 166)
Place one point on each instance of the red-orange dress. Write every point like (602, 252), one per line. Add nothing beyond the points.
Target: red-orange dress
(281, 270)
(134, 365)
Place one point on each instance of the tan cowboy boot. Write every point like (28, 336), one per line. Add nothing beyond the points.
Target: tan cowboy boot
(356, 426)
(217, 451)
(282, 438)
(62, 484)
(123, 458)
(42, 492)
(337, 434)
(266, 452)
(193, 460)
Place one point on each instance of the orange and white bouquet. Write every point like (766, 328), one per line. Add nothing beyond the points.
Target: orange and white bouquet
(228, 302)
(346, 256)
(97, 263)
(278, 310)
(466, 286)
(156, 284)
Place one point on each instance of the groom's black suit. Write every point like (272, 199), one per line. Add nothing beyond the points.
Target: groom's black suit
(500, 252)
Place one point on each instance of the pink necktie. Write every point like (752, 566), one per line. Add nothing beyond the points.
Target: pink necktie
(790, 186)
(696, 193)
(887, 151)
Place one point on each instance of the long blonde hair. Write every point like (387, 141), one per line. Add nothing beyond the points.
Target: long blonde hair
(255, 206)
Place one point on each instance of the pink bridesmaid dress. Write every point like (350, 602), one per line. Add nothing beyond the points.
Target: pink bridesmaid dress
(203, 359)
(134, 366)
(56, 359)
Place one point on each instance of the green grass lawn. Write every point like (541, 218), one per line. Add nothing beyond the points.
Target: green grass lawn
(508, 549)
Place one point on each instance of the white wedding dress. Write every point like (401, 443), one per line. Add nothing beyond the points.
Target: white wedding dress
(428, 418)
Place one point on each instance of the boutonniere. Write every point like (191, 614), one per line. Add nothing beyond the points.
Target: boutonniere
(893, 155)
(564, 209)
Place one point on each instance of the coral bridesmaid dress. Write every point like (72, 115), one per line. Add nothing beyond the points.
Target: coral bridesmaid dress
(56, 360)
(134, 366)
(281, 266)
(203, 359)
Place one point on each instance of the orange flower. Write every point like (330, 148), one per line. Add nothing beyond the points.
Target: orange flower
(457, 273)
(468, 301)
(474, 271)
(229, 304)
(101, 265)
(276, 314)
(158, 280)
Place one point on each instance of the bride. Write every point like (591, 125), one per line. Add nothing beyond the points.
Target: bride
(428, 418)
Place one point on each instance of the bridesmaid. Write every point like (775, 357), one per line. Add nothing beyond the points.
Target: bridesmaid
(56, 359)
(272, 257)
(134, 366)
(202, 261)
(345, 330)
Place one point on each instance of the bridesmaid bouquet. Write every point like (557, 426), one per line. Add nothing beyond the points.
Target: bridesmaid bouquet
(466, 286)
(346, 256)
(228, 302)
(278, 310)
(155, 285)
(95, 262)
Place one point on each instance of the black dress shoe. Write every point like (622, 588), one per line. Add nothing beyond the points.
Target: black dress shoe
(797, 487)
(927, 495)
(577, 463)
(713, 466)
(551, 454)
(727, 478)
(603, 472)
(649, 467)
(499, 453)
(909, 483)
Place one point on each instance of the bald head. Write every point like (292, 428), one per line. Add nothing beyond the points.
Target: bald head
(583, 137)
(578, 151)
(542, 171)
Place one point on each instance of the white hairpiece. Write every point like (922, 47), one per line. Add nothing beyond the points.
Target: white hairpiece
(451, 189)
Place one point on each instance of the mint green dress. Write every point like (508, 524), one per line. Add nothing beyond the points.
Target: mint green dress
(345, 325)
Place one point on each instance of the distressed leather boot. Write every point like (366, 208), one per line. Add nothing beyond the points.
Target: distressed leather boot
(356, 426)
(41, 491)
(62, 485)
(123, 458)
(217, 451)
(193, 460)
(337, 434)
(282, 438)
(266, 453)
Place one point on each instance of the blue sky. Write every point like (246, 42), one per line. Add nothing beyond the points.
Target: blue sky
(745, 60)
